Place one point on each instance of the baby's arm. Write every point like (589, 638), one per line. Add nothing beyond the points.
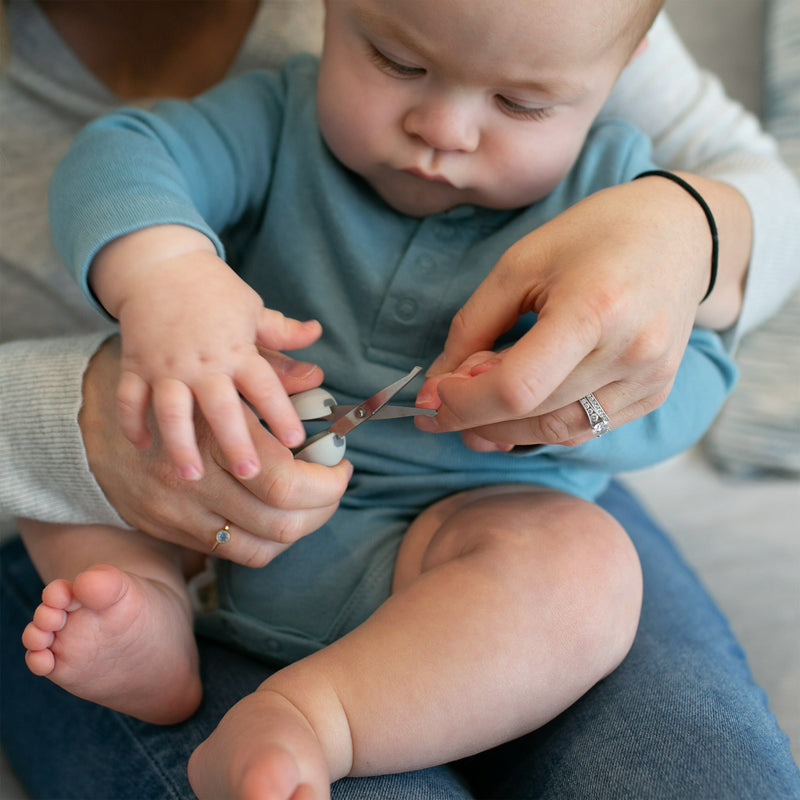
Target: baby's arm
(191, 329)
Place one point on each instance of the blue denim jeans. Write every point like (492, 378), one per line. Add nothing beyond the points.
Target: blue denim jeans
(680, 718)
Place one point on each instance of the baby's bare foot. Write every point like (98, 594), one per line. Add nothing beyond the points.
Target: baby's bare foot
(119, 640)
(263, 749)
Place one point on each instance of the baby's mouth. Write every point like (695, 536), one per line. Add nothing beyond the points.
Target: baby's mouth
(433, 178)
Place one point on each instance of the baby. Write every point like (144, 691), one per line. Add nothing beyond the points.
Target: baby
(457, 599)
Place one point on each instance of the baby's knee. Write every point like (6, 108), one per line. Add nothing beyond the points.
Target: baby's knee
(554, 555)
(609, 569)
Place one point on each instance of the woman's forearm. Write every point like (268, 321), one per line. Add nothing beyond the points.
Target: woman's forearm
(695, 128)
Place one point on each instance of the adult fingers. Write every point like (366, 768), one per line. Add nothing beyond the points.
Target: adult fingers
(518, 383)
(570, 424)
(487, 314)
(245, 547)
(191, 515)
(285, 482)
(295, 501)
(295, 376)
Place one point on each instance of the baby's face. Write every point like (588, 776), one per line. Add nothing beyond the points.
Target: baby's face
(437, 103)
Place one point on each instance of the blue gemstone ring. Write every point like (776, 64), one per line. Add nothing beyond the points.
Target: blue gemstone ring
(222, 536)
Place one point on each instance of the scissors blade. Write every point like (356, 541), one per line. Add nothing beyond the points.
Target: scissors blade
(387, 412)
(366, 410)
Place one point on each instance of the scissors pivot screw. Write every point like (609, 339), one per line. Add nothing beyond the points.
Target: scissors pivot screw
(327, 447)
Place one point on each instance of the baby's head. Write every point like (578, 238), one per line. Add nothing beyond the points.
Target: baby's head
(437, 103)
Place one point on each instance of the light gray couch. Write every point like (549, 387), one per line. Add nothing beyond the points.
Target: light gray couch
(740, 534)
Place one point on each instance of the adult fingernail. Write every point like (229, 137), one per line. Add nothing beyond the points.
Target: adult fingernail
(298, 369)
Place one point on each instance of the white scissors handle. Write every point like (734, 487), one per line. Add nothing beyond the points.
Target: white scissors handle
(313, 404)
(328, 447)
(324, 448)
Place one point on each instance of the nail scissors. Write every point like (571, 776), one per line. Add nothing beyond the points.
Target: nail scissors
(327, 447)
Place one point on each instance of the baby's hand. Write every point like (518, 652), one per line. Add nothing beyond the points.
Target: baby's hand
(191, 329)
(428, 397)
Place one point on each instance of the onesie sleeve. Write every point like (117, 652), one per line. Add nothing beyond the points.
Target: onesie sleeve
(204, 164)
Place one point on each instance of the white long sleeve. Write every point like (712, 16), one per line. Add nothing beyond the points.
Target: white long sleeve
(45, 472)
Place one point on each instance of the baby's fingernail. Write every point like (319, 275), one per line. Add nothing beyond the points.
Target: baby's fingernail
(427, 398)
(247, 469)
(428, 424)
(190, 473)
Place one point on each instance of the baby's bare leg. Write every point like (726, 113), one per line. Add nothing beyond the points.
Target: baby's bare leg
(509, 604)
(115, 622)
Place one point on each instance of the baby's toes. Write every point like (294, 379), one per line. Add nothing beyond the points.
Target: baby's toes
(99, 587)
(40, 662)
(34, 638)
(50, 619)
(58, 594)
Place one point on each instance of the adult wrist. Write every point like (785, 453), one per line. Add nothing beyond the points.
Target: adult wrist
(712, 224)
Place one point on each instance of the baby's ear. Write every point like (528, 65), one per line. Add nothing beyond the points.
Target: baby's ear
(640, 48)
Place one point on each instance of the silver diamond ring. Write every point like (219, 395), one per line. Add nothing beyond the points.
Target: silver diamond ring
(222, 536)
(598, 418)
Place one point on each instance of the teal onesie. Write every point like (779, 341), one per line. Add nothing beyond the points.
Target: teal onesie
(245, 164)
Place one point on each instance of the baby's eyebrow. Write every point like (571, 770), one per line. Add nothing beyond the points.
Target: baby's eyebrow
(557, 88)
(378, 24)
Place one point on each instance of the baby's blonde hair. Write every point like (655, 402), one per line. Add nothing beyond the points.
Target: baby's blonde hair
(639, 16)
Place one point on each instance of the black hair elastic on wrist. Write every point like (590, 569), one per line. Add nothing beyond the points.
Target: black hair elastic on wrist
(709, 216)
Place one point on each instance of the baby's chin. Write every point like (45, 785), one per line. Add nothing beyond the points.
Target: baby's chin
(425, 200)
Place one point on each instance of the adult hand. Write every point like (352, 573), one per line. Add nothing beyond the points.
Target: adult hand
(615, 281)
(287, 500)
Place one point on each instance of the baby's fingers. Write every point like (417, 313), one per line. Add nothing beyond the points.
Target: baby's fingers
(133, 395)
(262, 388)
(224, 410)
(275, 331)
(173, 406)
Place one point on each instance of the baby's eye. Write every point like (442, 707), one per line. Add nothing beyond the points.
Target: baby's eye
(392, 67)
(519, 111)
